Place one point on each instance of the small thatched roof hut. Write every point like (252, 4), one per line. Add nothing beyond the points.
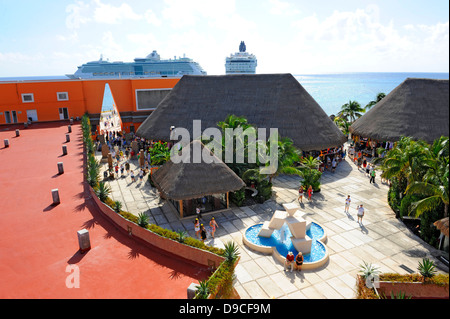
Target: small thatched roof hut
(417, 108)
(442, 225)
(187, 180)
(265, 100)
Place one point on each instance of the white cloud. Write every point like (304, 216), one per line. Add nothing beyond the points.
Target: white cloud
(182, 13)
(278, 7)
(106, 13)
(151, 18)
(78, 14)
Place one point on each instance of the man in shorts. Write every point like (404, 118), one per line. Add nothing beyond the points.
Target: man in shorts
(360, 213)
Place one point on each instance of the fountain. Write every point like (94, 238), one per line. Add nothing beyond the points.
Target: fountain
(288, 231)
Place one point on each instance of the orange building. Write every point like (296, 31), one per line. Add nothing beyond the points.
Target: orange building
(56, 100)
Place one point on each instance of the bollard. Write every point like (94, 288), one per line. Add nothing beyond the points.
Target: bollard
(64, 149)
(55, 196)
(6, 141)
(69, 129)
(83, 240)
(60, 168)
(67, 137)
(17, 132)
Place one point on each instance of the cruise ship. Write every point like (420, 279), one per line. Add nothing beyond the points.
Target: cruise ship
(241, 62)
(150, 66)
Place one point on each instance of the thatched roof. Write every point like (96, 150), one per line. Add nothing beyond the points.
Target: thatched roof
(188, 180)
(417, 108)
(442, 225)
(265, 100)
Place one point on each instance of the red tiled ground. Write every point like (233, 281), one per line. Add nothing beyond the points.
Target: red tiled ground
(38, 241)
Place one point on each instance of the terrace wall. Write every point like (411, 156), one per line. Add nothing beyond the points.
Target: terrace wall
(195, 255)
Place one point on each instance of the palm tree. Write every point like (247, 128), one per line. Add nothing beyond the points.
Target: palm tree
(288, 154)
(351, 110)
(406, 161)
(342, 124)
(435, 182)
(233, 121)
(380, 96)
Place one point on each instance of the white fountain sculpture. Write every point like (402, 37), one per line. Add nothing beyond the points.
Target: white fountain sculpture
(296, 223)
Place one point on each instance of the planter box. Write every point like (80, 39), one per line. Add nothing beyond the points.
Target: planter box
(199, 256)
(417, 290)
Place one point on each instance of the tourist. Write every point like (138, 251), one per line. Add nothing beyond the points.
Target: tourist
(359, 162)
(299, 261)
(347, 203)
(360, 213)
(203, 232)
(310, 192)
(199, 212)
(132, 176)
(372, 175)
(213, 225)
(141, 175)
(121, 170)
(197, 227)
(333, 165)
(127, 168)
(300, 194)
(289, 262)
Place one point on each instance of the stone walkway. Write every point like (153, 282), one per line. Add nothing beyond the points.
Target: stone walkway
(381, 239)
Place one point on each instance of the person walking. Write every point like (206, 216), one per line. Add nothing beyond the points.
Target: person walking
(372, 175)
(348, 200)
(197, 227)
(360, 213)
(300, 194)
(203, 232)
(213, 225)
(310, 192)
(132, 176)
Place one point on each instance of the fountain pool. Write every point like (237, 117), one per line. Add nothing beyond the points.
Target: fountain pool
(280, 244)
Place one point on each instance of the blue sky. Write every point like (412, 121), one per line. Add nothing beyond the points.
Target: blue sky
(300, 37)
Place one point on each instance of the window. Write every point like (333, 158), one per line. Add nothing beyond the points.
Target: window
(62, 96)
(27, 97)
(148, 99)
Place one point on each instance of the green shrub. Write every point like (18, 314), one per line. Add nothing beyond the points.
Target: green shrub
(427, 268)
(102, 191)
(238, 197)
(142, 219)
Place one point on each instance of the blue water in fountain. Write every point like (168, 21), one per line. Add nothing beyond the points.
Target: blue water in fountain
(282, 241)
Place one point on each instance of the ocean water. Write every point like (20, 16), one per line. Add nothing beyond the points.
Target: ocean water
(331, 91)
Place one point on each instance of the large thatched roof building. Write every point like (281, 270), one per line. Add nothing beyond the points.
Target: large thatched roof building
(417, 108)
(265, 100)
(186, 180)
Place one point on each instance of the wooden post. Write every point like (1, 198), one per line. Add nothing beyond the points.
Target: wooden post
(228, 199)
(181, 208)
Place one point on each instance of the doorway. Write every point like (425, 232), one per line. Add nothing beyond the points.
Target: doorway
(63, 113)
(32, 115)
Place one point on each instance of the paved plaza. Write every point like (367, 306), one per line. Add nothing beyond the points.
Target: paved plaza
(381, 239)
